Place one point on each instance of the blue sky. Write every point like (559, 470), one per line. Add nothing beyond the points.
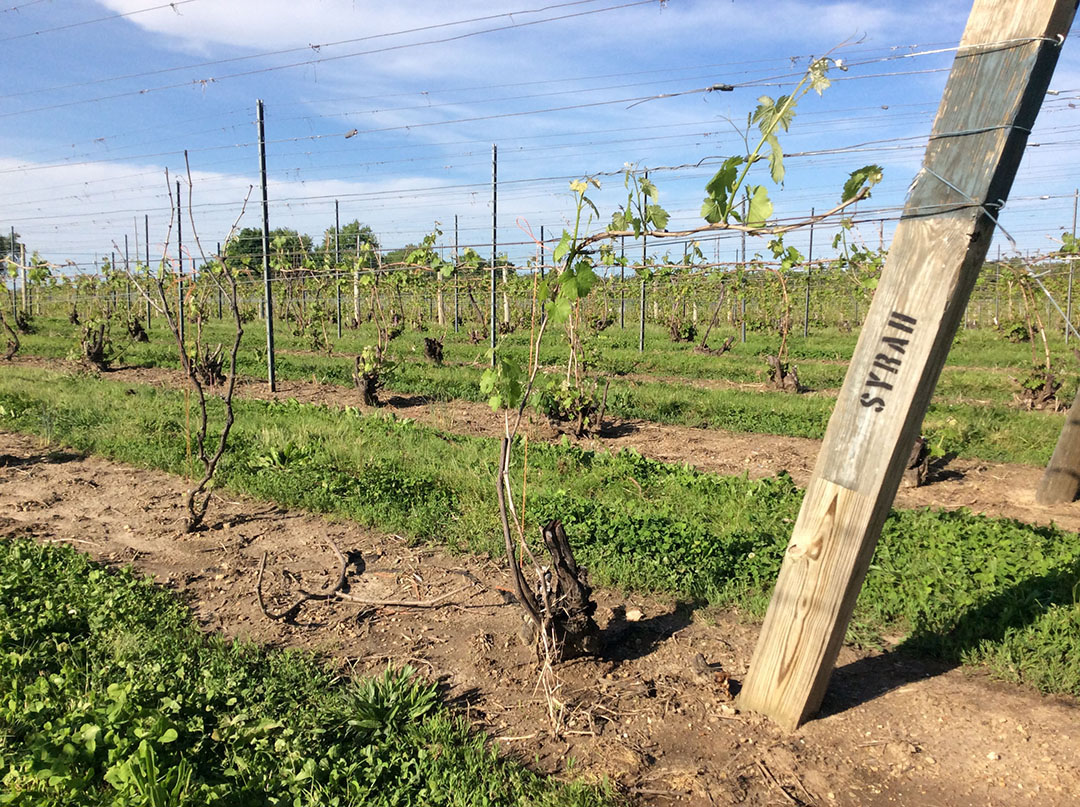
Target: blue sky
(102, 97)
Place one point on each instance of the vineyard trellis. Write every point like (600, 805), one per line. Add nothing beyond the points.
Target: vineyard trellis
(577, 289)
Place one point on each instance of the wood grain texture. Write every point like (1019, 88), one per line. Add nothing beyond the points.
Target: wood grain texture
(1060, 481)
(990, 102)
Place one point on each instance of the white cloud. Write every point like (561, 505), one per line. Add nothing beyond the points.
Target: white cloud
(81, 211)
(626, 37)
(80, 208)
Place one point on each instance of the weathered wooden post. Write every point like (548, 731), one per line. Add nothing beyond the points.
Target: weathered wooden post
(1001, 71)
(1060, 481)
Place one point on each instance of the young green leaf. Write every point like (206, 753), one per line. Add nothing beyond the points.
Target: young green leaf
(558, 310)
(562, 247)
(712, 211)
(776, 159)
(868, 176)
(657, 216)
(585, 277)
(717, 206)
(724, 179)
(771, 115)
(819, 81)
(760, 206)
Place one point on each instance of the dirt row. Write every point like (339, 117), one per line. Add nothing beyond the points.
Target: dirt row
(1004, 490)
(653, 711)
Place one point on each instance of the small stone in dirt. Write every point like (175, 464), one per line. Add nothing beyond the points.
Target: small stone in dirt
(993, 756)
(634, 615)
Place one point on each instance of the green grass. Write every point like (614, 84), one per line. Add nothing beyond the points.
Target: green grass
(960, 586)
(110, 695)
(971, 416)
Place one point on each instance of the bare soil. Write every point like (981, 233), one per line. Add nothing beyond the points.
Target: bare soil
(1005, 490)
(653, 711)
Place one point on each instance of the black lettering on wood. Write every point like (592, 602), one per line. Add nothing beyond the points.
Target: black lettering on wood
(877, 403)
(874, 381)
(902, 322)
(888, 363)
(895, 342)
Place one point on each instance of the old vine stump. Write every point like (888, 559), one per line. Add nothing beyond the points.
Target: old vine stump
(571, 619)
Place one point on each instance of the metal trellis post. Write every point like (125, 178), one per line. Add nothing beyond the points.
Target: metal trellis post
(268, 296)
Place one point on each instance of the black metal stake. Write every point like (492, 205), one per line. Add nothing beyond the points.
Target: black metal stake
(457, 280)
(337, 264)
(267, 294)
(146, 232)
(494, 237)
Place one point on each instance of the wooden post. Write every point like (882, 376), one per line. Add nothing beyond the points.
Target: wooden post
(146, 232)
(440, 306)
(14, 280)
(26, 284)
(1060, 481)
(356, 285)
(622, 282)
(127, 274)
(742, 295)
(641, 307)
(179, 271)
(809, 272)
(543, 253)
(220, 291)
(1001, 71)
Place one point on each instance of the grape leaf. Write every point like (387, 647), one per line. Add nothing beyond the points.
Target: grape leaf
(658, 216)
(867, 176)
(760, 206)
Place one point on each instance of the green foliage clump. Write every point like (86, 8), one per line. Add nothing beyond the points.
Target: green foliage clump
(961, 586)
(112, 696)
(705, 537)
(978, 590)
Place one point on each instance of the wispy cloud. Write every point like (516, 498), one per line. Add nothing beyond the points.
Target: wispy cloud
(59, 205)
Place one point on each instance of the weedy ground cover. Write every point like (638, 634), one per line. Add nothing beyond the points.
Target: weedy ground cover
(959, 586)
(972, 416)
(112, 696)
